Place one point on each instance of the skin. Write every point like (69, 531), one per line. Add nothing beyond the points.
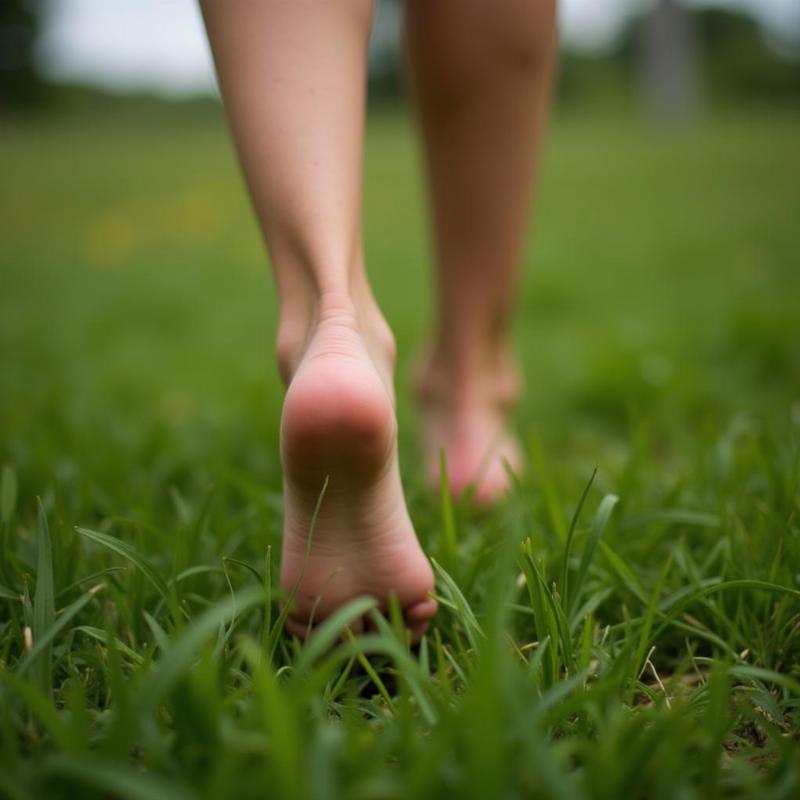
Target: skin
(481, 74)
(292, 75)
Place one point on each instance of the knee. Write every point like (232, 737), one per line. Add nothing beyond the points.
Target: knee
(523, 39)
(480, 43)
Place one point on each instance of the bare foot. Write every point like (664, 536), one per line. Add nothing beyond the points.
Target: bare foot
(339, 422)
(470, 420)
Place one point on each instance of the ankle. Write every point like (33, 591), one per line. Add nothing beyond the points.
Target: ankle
(302, 317)
(463, 377)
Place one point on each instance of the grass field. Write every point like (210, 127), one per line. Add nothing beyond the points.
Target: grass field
(632, 636)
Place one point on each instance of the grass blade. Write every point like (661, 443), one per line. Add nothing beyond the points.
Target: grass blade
(373, 676)
(40, 706)
(239, 563)
(570, 535)
(275, 633)
(8, 503)
(8, 494)
(673, 516)
(159, 634)
(42, 645)
(267, 584)
(638, 662)
(114, 779)
(98, 634)
(7, 594)
(449, 547)
(768, 676)
(326, 634)
(279, 717)
(545, 616)
(722, 586)
(459, 603)
(40, 656)
(181, 654)
(598, 526)
(131, 554)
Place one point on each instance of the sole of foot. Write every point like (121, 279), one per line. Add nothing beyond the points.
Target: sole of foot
(339, 425)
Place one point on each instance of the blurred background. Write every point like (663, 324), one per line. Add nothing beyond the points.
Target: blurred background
(661, 278)
(676, 54)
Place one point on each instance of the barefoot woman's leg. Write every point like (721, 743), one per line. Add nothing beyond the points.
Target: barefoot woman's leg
(292, 75)
(481, 72)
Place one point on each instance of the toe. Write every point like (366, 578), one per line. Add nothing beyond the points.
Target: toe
(493, 488)
(417, 631)
(421, 611)
(297, 628)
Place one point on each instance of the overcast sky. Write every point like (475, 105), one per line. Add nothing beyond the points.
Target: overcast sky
(160, 44)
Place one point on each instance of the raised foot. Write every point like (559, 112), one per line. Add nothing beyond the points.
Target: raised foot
(339, 423)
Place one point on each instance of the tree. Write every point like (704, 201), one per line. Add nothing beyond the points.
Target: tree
(20, 83)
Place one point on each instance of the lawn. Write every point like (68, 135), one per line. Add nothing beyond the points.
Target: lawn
(625, 625)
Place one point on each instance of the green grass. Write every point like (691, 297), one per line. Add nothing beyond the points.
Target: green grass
(635, 634)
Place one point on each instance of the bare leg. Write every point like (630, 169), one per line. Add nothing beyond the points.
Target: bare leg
(292, 74)
(481, 72)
